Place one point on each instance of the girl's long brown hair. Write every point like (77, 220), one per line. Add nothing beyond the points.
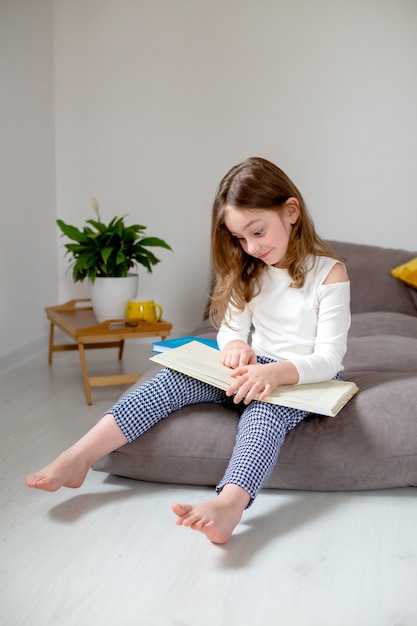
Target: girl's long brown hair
(256, 184)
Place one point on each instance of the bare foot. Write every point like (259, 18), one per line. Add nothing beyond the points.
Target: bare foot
(217, 518)
(71, 467)
(65, 471)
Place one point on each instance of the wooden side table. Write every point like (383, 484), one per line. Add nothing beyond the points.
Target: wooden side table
(77, 320)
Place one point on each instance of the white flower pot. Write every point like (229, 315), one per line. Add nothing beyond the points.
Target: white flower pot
(109, 296)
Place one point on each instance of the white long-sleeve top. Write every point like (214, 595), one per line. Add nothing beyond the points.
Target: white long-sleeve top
(307, 326)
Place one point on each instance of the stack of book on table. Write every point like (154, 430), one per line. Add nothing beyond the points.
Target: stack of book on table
(169, 344)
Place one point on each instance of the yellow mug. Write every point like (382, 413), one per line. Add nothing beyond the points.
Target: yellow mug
(148, 311)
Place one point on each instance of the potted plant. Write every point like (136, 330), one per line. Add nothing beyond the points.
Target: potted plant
(104, 254)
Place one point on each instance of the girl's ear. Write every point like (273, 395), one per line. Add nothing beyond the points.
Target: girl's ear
(292, 208)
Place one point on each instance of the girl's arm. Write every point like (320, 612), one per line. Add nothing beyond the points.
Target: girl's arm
(252, 378)
(331, 337)
(325, 361)
(232, 339)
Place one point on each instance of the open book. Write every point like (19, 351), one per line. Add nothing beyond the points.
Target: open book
(203, 363)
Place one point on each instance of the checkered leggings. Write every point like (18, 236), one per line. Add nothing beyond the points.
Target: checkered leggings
(261, 431)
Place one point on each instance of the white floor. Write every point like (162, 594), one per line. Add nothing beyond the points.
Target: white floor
(110, 553)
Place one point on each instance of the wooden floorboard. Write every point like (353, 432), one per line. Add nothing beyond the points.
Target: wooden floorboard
(110, 553)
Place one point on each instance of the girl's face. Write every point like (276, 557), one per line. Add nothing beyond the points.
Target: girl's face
(263, 234)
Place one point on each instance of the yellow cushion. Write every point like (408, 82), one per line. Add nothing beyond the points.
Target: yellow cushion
(407, 273)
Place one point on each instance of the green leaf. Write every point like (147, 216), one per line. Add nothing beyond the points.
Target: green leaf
(120, 258)
(155, 241)
(70, 231)
(105, 253)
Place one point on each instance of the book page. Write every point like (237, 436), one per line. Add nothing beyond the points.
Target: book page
(327, 397)
(199, 361)
(203, 362)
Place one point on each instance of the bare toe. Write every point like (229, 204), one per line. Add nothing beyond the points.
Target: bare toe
(215, 521)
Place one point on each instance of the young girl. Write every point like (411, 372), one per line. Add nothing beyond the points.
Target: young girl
(281, 306)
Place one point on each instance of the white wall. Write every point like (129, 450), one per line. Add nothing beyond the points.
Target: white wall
(28, 243)
(155, 101)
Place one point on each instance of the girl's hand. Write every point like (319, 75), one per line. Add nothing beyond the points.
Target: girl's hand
(237, 353)
(252, 381)
(259, 380)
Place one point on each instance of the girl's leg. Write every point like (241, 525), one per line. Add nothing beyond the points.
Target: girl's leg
(262, 429)
(261, 433)
(157, 398)
(133, 415)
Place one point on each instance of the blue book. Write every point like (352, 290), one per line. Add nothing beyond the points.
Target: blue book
(168, 344)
